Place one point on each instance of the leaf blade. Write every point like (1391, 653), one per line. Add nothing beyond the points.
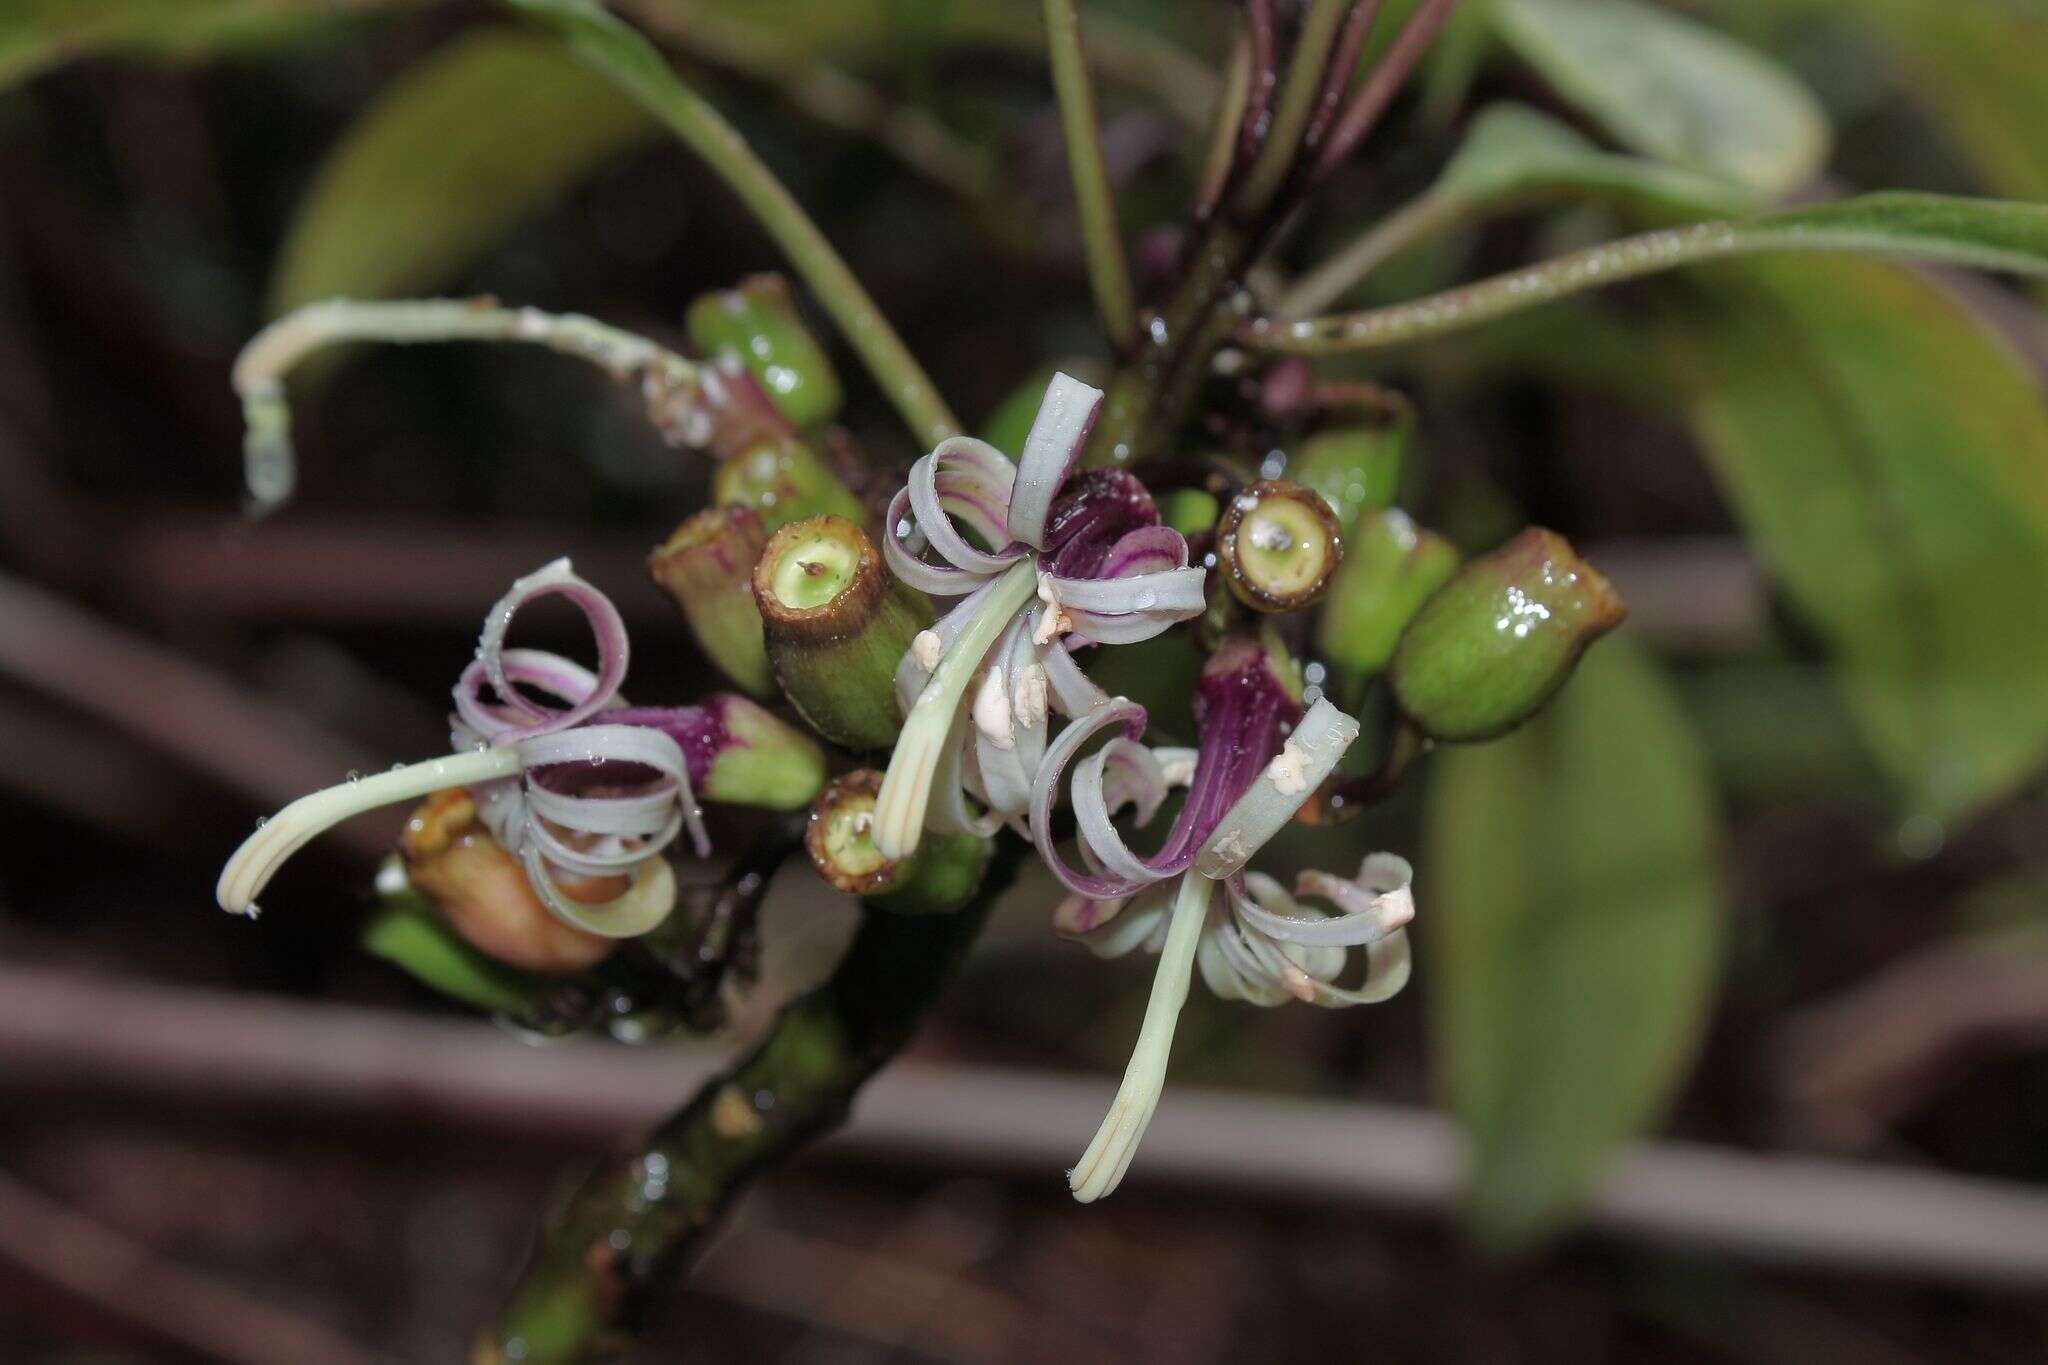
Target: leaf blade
(467, 144)
(1674, 89)
(1575, 919)
(1889, 458)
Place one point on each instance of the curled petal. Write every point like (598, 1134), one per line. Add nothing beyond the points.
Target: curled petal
(903, 548)
(1309, 755)
(514, 714)
(643, 906)
(1045, 792)
(970, 480)
(1073, 691)
(1175, 594)
(1065, 415)
(667, 806)
(1380, 901)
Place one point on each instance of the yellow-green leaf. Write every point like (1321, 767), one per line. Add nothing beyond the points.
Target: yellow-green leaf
(1573, 923)
(1514, 153)
(1889, 458)
(1674, 89)
(461, 148)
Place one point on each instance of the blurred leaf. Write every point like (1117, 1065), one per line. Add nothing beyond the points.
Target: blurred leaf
(1888, 456)
(1991, 234)
(407, 932)
(465, 145)
(1977, 65)
(1574, 922)
(1513, 152)
(37, 34)
(1673, 89)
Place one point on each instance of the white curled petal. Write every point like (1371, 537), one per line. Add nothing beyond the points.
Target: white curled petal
(1064, 417)
(646, 902)
(557, 579)
(1168, 592)
(1367, 914)
(902, 548)
(968, 479)
(1320, 740)
(1073, 691)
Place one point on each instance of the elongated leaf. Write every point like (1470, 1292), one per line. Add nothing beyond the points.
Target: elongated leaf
(1673, 89)
(1976, 66)
(1513, 152)
(1990, 234)
(1889, 457)
(38, 34)
(464, 146)
(1574, 924)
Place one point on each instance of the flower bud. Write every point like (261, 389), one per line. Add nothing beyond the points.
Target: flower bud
(836, 625)
(1355, 467)
(739, 753)
(1390, 568)
(781, 482)
(1495, 642)
(1278, 546)
(707, 566)
(483, 891)
(1190, 511)
(758, 322)
(939, 876)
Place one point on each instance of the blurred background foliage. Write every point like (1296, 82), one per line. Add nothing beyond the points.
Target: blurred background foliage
(1810, 768)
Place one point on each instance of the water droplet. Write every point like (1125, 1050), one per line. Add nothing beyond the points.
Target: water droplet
(262, 820)
(1146, 600)
(354, 776)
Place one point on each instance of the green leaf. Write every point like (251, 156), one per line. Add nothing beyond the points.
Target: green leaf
(1991, 234)
(1513, 152)
(408, 933)
(1574, 925)
(1975, 66)
(1889, 458)
(1673, 89)
(465, 145)
(38, 34)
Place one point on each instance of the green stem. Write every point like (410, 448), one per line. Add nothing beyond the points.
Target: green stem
(638, 1222)
(628, 59)
(1108, 273)
(1473, 304)
(271, 468)
(1421, 217)
(1297, 102)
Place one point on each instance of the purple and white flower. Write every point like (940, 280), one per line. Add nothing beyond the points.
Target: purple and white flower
(586, 788)
(1054, 562)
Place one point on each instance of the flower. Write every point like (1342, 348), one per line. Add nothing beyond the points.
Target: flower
(586, 789)
(1260, 756)
(1266, 947)
(1072, 561)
